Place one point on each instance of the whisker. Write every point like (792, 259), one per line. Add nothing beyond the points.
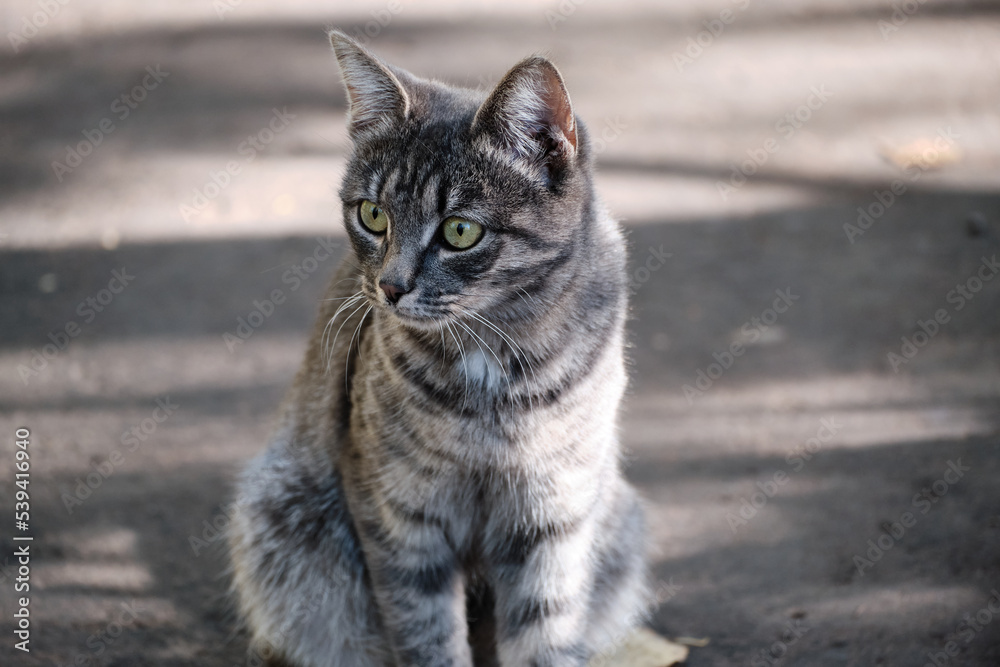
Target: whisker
(475, 340)
(499, 363)
(356, 279)
(521, 293)
(518, 352)
(444, 352)
(351, 300)
(333, 345)
(323, 338)
(356, 295)
(328, 350)
(465, 367)
(347, 357)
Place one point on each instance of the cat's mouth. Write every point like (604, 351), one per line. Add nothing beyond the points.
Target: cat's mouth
(423, 318)
(417, 315)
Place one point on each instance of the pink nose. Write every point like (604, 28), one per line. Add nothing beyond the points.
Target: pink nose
(392, 292)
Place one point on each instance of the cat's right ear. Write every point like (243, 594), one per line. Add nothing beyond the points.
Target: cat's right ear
(375, 95)
(529, 115)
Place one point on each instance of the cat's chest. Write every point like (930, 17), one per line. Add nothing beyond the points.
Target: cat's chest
(481, 368)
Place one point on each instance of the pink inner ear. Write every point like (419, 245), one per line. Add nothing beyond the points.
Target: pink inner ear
(352, 92)
(557, 100)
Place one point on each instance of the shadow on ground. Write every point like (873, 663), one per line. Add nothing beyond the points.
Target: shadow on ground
(794, 564)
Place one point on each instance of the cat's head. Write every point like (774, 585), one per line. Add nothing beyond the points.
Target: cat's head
(458, 201)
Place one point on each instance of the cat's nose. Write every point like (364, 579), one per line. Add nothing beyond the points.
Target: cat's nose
(392, 292)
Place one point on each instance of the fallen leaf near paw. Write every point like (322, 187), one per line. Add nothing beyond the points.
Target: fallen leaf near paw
(644, 648)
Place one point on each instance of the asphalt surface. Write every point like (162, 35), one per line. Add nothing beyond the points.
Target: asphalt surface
(814, 415)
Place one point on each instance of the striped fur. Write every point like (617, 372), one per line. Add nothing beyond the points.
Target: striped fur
(445, 488)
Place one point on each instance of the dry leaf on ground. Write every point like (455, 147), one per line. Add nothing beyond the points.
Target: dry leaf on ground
(644, 648)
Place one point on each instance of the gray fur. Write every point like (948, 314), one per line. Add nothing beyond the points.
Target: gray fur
(445, 482)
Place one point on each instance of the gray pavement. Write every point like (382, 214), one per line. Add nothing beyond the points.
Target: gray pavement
(814, 415)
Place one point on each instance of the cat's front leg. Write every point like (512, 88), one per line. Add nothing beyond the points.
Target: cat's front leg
(418, 587)
(542, 581)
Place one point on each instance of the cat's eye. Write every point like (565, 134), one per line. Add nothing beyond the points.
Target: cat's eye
(460, 233)
(373, 217)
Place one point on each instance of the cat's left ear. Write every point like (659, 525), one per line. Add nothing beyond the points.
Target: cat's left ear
(529, 115)
(375, 94)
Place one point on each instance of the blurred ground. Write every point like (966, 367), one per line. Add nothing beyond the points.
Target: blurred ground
(817, 502)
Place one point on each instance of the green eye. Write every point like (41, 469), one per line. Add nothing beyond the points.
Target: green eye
(373, 217)
(461, 233)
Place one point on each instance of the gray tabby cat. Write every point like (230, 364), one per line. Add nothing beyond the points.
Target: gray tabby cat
(444, 488)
